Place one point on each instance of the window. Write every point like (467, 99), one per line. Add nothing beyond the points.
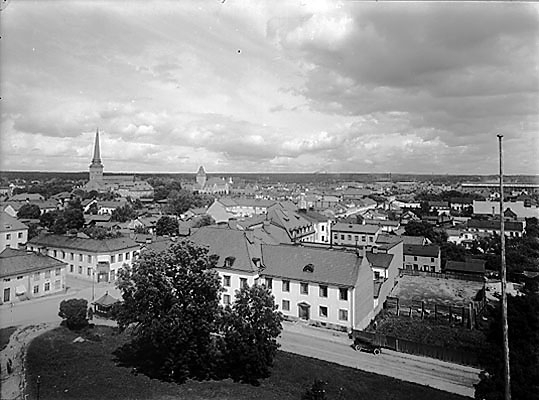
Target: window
(323, 311)
(120, 257)
(269, 283)
(323, 238)
(127, 255)
(342, 237)
(376, 274)
(89, 259)
(370, 239)
(356, 238)
(243, 282)
(415, 258)
(80, 269)
(416, 267)
(63, 255)
(343, 294)
(304, 288)
(363, 239)
(20, 277)
(36, 289)
(432, 259)
(286, 305)
(112, 259)
(57, 284)
(8, 236)
(55, 253)
(7, 279)
(7, 294)
(286, 286)
(47, 275)
(226, 280)
(72, 256)
(432, 268)
(349, 237)
(19, 235)
(47, 286)
(323, 292)
(335, 236)
(89, 271)
(323, 228)
(37, 276)
(226, 299)
(343, 315)
(80, 257)
(71, 267)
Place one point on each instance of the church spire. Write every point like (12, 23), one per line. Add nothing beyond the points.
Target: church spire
(97, 154)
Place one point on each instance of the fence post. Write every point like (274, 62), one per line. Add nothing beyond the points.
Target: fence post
(422, 309)
(410, 313)
(436, 312)
(450, 314)
(398, 308)
(463, 316)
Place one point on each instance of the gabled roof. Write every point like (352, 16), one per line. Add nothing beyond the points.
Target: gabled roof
(106, 300)
(332, 267)
(225, 242)
(27, 196)
(89, 245)
(10, 224)
(495, 224)
(380, 260)
(19, 262)
(429, 250)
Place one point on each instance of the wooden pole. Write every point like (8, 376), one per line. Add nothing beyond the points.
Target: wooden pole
(507, 375)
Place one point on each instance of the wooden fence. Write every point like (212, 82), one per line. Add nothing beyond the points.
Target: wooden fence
(446, 275)
(444, 313)
(464, 357)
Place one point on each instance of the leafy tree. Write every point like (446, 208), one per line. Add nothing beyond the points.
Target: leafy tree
(59, 226)
(47, 219)
(316, 392)
(92, 210)
(98, 232)
(74, 313)
(123, 214)
(250, 329)
(167, 226)
(421, 228)
(523, 322)
(172, 299)
(31, 211)
(74, 218)
(33, 230)
(179, 201)
(205, 220)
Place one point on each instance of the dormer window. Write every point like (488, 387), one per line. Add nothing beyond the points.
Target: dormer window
(229, 261)
(308, 268)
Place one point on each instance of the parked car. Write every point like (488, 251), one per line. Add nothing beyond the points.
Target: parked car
(363, 344)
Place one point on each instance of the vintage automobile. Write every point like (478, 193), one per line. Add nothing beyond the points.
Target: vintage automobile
(364, 344)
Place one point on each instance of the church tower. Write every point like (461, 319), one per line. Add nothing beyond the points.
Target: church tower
(96, 167)
(201, 176)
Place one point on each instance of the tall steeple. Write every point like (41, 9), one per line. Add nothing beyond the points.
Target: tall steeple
(97, 153)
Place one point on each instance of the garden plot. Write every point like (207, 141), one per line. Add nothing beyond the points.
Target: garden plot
(432, 290)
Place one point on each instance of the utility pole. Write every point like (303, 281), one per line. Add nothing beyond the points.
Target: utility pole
(507, 376)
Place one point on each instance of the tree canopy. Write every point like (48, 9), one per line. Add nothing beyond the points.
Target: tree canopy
(123, 214)
(31, 211)
(167, 226)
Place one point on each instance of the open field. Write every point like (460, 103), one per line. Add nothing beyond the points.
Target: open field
(436, 290)
(88, 371)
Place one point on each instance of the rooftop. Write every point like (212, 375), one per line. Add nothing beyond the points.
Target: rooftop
(19, 262)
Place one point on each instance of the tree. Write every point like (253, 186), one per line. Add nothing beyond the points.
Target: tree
(30, 211)
(316, 392)
(179, 201)
(167, 226)
(205, 220)
(59, 226)
(523, 321)
(74, 218)
(250, 329)
(172, 300)
(47, 219)
(421, 228)
(123, 214)
(74, 313)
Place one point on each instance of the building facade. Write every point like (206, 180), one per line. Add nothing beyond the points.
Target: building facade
(13, 233)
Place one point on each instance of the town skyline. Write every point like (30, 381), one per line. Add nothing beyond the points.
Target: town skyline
(336, 87)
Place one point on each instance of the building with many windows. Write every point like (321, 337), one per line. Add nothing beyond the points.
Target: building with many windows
(422, 257)
(88, 259)
(25, 275)
(354, 235)
(13, 233)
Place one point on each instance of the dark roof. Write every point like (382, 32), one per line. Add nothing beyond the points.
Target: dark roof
(106, 300)
(355, 228)
(381, 260)
(429, 250)
(329, 266)
(475, 266)
(89, 245)
(313, 216)
(16, 262)
(495, 224)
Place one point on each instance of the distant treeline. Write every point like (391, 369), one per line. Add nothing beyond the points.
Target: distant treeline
(280, 177)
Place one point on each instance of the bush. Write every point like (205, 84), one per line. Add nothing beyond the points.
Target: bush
(74, 312)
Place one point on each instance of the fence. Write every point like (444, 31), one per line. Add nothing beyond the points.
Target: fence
(446, 275)
(451, 314)
(464, 357)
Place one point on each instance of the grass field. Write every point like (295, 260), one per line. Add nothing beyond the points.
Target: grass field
(436, 290)
(88, 371)
(5, 334)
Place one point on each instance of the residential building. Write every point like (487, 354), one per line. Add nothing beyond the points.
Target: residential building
(422, 257)
(511, 228)
(88, 259)
(13, 233)
(469, 267)
(224, 209)
(354, 234)
(492, 208)
(25, 275)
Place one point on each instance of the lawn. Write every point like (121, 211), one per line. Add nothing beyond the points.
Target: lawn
(5, 334)
(88, 371)
(436, 290)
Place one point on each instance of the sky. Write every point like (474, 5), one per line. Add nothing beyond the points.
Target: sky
(260, 86)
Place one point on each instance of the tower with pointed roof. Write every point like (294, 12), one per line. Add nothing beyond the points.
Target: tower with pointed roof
(201, 177)
(96, 167)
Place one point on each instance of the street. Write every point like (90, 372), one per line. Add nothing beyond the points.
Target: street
(296, 338)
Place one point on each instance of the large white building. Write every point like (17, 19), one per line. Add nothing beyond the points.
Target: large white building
(13, 233)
